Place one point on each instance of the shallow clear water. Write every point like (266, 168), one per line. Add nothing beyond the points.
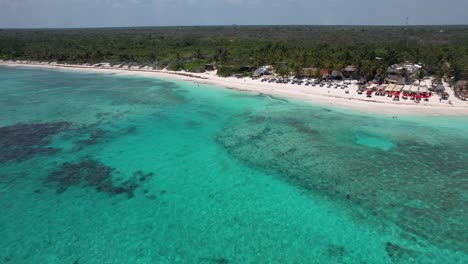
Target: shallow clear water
(110, 169)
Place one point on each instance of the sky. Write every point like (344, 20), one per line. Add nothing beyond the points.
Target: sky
(127, 13)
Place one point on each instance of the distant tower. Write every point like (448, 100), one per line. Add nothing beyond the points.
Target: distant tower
(407, 21)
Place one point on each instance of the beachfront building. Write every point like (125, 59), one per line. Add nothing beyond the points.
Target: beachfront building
(325, 74)
(337, 75)
(461, 90)
(402, 72)
(263, 70)
(395, 77)
(210, 66)
(350, 72)
(259, 72)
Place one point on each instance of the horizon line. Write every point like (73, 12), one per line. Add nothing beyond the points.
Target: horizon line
(240, 25)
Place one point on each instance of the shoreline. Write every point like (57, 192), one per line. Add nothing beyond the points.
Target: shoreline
(316, 95)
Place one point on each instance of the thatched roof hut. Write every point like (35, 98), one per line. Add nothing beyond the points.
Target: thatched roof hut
(337, 74)
(260, 71)
(350, 68)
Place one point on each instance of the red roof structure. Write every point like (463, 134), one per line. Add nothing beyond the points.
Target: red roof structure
(322, 72)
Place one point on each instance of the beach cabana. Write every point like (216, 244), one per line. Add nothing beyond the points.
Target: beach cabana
(389, 88)
(397, 88)
(381, 89)
(414, 89)
(423, 89)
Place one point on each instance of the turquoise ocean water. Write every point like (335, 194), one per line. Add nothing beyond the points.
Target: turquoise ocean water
(111, 169)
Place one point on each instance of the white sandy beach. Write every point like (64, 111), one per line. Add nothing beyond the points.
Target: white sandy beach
(318, 95)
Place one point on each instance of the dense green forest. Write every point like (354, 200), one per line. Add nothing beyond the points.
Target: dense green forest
(443, 50)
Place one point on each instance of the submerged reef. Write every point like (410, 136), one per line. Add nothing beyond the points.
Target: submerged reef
(85, 136)
(394, 251)
(91, 173)
(22, 141)
(95, 137)
(213, 260)
(417, 185)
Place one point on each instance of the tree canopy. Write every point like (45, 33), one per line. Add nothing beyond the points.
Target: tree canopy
(442, 52)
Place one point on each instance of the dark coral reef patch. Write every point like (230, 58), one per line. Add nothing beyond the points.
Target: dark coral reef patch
(21, 141)
(90, 173)
(396, 252)
(95, 137)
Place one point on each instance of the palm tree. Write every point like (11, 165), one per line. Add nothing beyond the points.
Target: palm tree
(381, 72)
(317, 74)
(439, 75)
(366, 70)
(198, 54)
(420, 75)
(222, 55)
(298, 70)
(369, 70)
(283, 71)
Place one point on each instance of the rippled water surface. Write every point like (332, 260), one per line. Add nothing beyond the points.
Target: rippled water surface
(111, 169)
